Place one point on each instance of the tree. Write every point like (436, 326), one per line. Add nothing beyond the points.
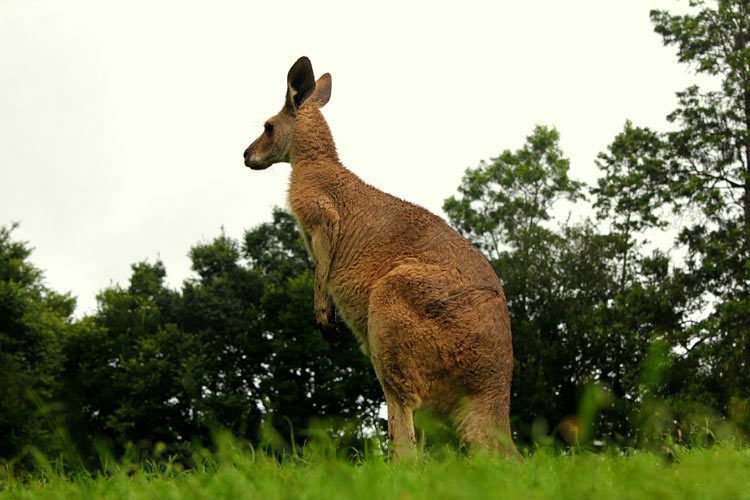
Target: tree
(126, 370)
(34, 324)
(712, 147)
(709, 178)
(504, 200)
(631, 190)
(222, 311)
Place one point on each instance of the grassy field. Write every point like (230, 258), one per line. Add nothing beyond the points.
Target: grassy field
(720, 472)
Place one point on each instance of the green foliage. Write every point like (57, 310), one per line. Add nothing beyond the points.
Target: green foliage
(34, 324)
(276, 248)
(709, 176)
(126, 368)
(506, 199)
(220, 310)
(631, 189)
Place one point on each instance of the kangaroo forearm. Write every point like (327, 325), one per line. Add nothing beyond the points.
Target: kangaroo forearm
(322, 239)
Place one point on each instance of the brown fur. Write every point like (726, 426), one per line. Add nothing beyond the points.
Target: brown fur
(425, 305)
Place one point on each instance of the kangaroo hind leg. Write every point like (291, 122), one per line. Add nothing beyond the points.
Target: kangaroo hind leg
(482, 423)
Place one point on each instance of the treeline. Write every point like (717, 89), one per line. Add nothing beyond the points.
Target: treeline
(236, 347)
(615, 341)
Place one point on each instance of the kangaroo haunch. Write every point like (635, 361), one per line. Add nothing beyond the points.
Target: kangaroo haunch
(425, 305)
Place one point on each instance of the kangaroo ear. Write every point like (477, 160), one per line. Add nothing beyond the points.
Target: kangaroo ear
(322, 90)
(300, 84)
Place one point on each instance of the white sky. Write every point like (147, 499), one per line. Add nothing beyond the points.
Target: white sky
(122, 124)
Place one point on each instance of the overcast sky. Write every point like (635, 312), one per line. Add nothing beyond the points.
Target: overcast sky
(122, 124)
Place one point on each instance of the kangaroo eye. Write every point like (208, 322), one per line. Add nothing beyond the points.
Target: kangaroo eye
(268, 128)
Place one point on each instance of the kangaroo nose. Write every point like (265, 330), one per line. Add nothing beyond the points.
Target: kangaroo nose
(244, 155)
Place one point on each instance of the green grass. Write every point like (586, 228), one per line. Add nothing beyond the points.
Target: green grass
(720, 472)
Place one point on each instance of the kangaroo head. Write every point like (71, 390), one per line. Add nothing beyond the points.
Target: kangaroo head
(275, 143)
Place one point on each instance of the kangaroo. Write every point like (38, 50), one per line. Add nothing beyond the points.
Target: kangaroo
(424, 303)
